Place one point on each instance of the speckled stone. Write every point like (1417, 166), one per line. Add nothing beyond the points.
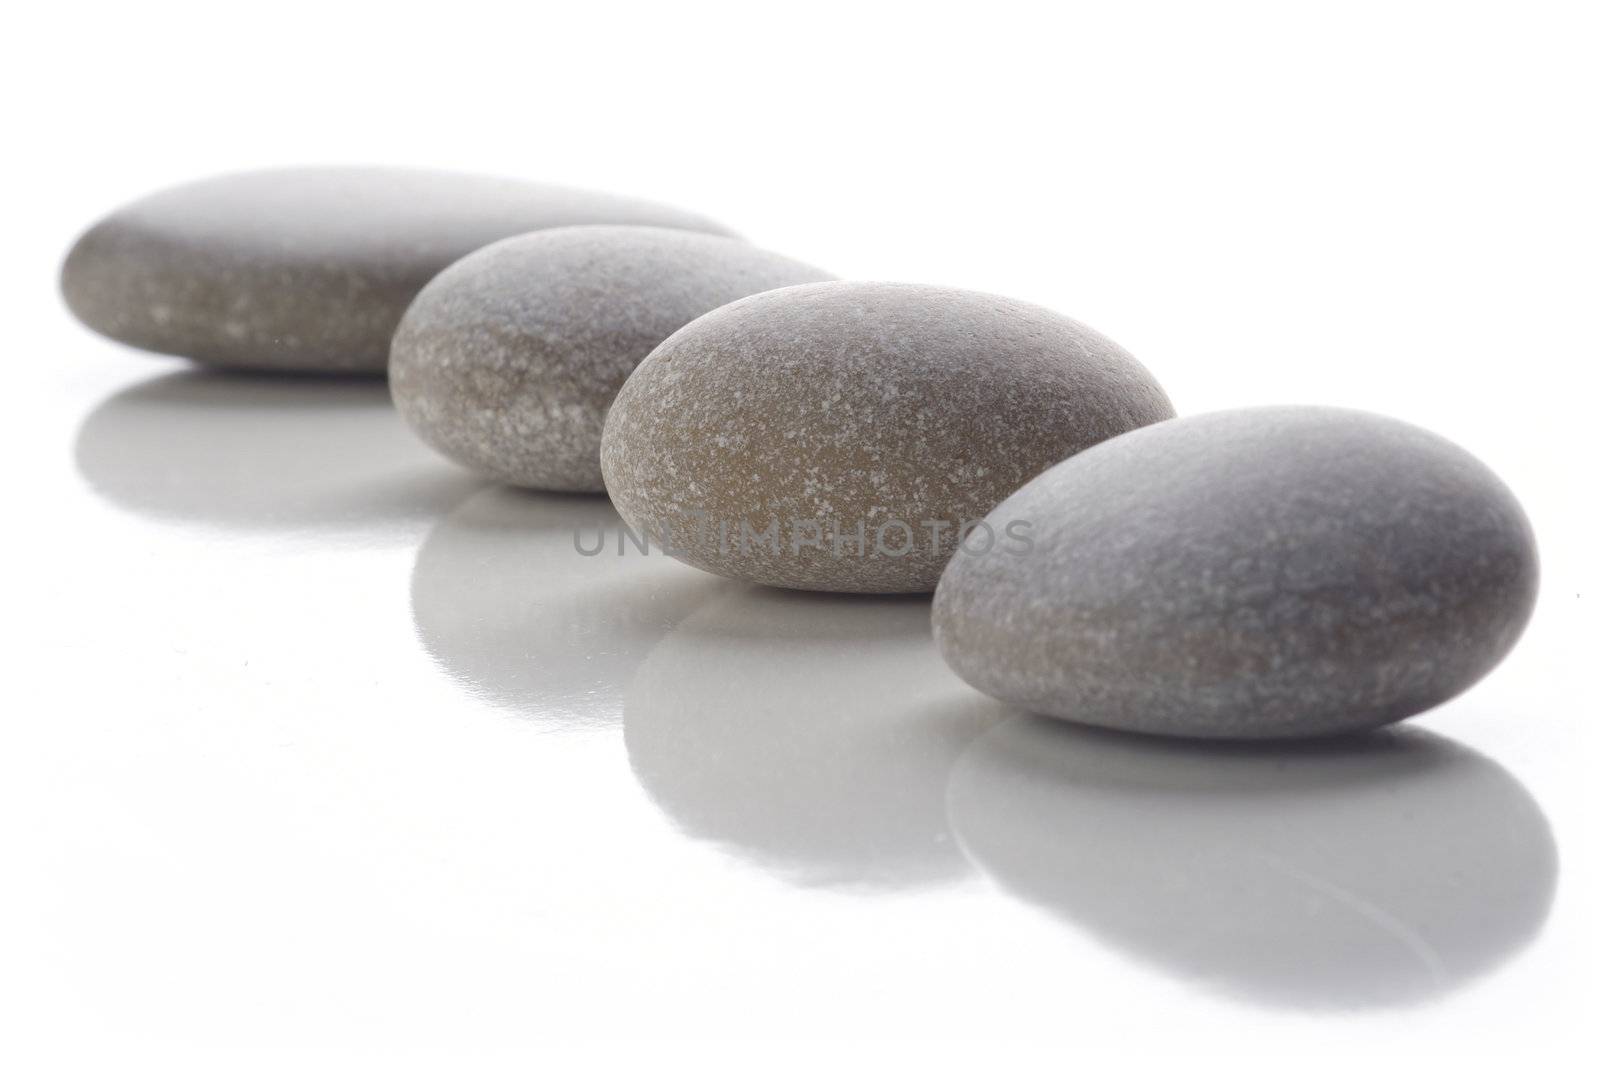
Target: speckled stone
(508, 361)
(836, 436)
(306, 269)
(1276, 572)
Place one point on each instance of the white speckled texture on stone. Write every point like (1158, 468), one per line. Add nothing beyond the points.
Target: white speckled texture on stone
(1261, 573)
(306, 269)
(508, 361)
(833, 408)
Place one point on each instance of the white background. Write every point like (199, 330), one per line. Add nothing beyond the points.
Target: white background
(318, 750)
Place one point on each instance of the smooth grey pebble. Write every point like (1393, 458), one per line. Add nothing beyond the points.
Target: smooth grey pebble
(508, 361)
(1259, 573)
(306, 269)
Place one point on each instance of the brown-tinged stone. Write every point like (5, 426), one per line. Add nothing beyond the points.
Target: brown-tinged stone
(837, 436)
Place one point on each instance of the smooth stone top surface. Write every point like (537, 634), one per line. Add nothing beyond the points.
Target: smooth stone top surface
(306, 269)
(1261, 573)
(508, 361)
(821, 413)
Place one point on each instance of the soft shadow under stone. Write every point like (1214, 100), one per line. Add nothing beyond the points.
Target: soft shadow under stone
(264, 453)
(1380, 870)
(803, 733)
(506, 603)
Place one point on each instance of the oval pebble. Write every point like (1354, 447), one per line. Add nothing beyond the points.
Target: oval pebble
(1267, 573)
(306, 269)
(837, 436)
(508, 361)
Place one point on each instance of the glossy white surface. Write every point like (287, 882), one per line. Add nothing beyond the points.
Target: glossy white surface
(319, 749)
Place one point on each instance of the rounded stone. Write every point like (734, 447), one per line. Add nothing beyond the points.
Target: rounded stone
(306, 269)
(508, 361)
(838, 436)
(1266, 573)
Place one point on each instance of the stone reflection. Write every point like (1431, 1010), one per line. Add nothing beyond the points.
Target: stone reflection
(1377, 870)
(794, 730)
(265, 453)
(508, 606)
